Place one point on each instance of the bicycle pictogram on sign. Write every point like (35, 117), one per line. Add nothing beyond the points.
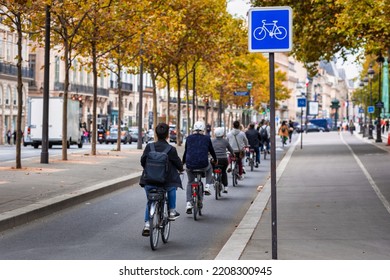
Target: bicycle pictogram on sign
(278, 31)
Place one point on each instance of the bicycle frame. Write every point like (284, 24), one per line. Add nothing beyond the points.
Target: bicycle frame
(197, 194)
(217, 181)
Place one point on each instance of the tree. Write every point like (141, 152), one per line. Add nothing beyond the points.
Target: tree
(323, 29)
(16, 16)
(67, 19)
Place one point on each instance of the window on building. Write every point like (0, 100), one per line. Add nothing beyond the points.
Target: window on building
(1, 95)
(8, 96)
(1, 48)
(57, 69)
(130, 106)
(15, 97)
(75, 71)
(9, 47)
(82, 73)
(102, 80)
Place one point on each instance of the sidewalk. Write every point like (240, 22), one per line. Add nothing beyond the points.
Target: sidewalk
(40, 189)
(327, 207)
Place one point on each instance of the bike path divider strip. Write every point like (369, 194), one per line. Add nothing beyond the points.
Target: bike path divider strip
(46, 207)
(236, 244)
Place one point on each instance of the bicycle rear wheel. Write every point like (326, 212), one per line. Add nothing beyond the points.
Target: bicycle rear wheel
(217, 187)
(200, 198)
(154, 226)
(251, 162)
(166, 224)
(195, 199)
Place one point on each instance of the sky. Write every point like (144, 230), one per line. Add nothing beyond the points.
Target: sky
(240, 8)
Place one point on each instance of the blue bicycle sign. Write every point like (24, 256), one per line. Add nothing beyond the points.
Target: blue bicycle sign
(278, 31)
(270, 29)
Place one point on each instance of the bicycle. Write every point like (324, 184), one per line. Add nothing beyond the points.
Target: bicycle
(235, 171)
(217, 172)
(278, 31)
(251, 158)
(197, 193)
(158, 216)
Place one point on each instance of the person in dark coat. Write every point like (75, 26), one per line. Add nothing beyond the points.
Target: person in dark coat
(254, 139)
(173, 180)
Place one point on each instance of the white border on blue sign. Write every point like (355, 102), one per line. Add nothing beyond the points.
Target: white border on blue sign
(290, 33)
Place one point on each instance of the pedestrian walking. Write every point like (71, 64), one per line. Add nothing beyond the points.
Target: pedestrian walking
(8, 135)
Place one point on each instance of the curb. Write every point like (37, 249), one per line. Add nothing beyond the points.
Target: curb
(46, 207)
(235, 246)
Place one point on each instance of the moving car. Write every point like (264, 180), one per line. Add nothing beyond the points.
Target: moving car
(27, 136)
(134, 134)
(172, 133)
(112, 135)
(149, 136)
(101, 136)
(310, 128)
(321, 123)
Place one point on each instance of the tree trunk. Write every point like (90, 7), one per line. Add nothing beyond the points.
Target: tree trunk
(65, 104)
(178, 133)
(94, 102)
(20, 96)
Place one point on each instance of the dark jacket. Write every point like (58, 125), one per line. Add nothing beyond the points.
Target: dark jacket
(196, 152)
(253, 137)
(175, 164)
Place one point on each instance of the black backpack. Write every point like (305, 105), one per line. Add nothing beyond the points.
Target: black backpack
(157, 166)
(263, 133)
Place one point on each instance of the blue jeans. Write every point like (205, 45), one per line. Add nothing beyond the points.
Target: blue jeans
(171, 198)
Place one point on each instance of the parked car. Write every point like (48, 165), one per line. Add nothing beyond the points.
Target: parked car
(310, 128)
(112, 135)
(172, 133)
(321, 123)
(149, 136)
(134, 134)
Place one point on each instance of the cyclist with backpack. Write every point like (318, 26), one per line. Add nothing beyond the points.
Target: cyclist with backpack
(221, 145)
(163, 171)
(253, 137)
(196, 156)
(237, 139)
(265, 132)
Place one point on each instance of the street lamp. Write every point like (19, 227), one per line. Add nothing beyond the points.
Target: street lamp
(379, 104)
(370, 73)
(365, 131)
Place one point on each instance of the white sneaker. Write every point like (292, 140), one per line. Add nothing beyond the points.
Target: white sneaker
(225, 189)
(207, 190)
(146, 229)
(189, 207)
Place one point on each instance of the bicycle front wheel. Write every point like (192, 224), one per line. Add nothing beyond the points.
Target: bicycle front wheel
(154, 227)
(166, 224)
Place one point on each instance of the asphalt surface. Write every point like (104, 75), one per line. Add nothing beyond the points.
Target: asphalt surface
(332, 197)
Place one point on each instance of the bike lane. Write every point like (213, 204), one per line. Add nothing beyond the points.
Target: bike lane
(326, 205)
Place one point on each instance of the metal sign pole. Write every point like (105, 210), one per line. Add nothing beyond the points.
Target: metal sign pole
(270, 31)
(273, 156)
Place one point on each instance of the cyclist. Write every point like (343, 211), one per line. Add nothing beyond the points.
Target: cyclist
(173, 180)
(220, 146)
(196, 151)
(237, 139)
(253, 137)
(265, 134)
